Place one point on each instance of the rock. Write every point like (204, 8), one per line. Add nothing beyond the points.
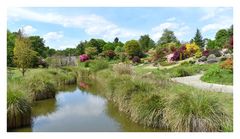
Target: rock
(223, 58)
(228, 55)
(212, 59)
(202, 59)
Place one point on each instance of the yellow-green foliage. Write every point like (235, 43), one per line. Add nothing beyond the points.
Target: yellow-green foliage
(192, 49)
(23, 54)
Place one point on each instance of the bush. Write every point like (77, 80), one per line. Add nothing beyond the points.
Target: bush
(205, 53)
(136, 59)
(83, 57)
(182, 72)
(91, 51)
(122, 68)
(132, 48)
(192, 49)
(196, 112)
(98, 65)
(216, 74)
(227, 64)
(110, 54)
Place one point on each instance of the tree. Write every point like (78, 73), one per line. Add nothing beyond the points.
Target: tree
(50, 52)
(221, 38)
(230, 31)
(23, 54)
(132, 48)
(10, 46)
(116, 40)
(146, 42)
(97, 43)
(108, 46)
(81, 47)
(37, 44)
(167, 37)
(198, 39)
(91, 51)
(211, 44)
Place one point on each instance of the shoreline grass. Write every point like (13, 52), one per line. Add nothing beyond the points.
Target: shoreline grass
(161, 104)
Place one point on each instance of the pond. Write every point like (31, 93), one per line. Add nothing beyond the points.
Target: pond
(78, 110)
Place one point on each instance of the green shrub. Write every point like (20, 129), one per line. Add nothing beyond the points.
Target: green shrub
(216, 74)
(196, 112)
(98, 65)
(182, 72)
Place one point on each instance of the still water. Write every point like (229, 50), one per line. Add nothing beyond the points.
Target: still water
(76, 109)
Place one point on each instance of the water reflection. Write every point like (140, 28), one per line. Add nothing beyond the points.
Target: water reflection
(76, 111)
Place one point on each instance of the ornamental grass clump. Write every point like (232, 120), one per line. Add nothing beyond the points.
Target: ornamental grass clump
(40, 86)
(196, 112)
(122, 68)
(18, 109)
(147, 109)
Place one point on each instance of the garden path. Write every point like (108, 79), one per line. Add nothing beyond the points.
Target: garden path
(195, 81)
(167, 67)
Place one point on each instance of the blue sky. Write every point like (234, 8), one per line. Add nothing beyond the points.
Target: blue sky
(66, 27)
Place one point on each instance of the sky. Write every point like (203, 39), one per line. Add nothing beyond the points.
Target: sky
(65, 27)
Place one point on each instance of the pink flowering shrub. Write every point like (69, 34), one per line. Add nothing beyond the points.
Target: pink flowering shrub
(83, 57)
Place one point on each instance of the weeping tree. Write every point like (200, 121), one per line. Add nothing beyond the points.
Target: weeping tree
(23, 54)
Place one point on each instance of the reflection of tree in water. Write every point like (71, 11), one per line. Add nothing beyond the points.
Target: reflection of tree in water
(44, 107)
(126, 124)
(91, 85)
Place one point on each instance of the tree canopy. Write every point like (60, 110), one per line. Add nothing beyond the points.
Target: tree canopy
(167, 37)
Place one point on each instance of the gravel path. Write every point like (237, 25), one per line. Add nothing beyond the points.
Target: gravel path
(196, 82)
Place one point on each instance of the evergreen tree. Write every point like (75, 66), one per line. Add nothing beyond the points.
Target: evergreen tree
(198, 39)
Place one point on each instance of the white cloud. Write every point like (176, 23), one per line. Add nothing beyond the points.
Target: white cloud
(218, 18)
(214, 26)
(92, 24)
(52, 36)
(28, 30)
(210, 13)
(180, 29)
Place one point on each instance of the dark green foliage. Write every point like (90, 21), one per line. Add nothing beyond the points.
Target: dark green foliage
(96, 43)
(221, 38)
(108, 46)
(81, 47)
(37, 44)
(198, 39)
(167, 37)
(146, 42)
(10, 46)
